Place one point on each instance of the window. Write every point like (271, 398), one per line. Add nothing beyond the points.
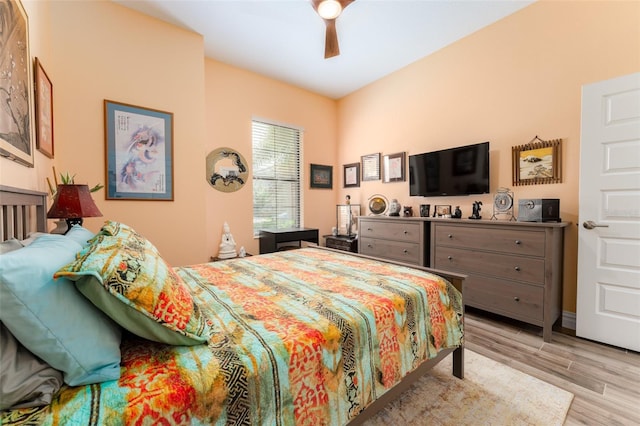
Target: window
(276, 177)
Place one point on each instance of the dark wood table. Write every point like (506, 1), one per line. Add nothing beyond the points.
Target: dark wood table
(271, 238)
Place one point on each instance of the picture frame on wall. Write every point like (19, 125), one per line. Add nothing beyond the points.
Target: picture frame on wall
(139, 152)
(537, 162)
(352, 175)
(371, 166)
(16, 87)
(393, 166)
(44, 110)
(321, 176)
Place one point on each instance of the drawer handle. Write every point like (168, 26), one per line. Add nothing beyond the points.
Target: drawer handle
(369, 245)
(450, 257)
(450, 235)
(405, 251)
(517, 268)
(406, 232)
(369, 229)
(517, 299)
(518, 242)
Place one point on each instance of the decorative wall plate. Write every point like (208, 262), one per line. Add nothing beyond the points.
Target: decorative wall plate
(227, 170)
(378, 205)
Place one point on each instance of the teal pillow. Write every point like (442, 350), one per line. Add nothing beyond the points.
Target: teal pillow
(80, 235)
(51, 318)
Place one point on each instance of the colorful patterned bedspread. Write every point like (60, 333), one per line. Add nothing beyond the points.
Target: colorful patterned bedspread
(306, 337)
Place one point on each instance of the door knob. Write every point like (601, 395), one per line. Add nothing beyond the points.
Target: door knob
(589, 224)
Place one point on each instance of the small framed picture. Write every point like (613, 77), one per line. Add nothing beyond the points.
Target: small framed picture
(44, 111)
(371, 166)
(352, 175)
(393, 168)
(442, 211)
(537, 162)
(321, 176)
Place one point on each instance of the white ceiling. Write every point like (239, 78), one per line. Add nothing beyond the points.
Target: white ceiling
(284, 39)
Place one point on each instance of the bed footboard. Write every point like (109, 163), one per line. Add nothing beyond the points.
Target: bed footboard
(409, 379)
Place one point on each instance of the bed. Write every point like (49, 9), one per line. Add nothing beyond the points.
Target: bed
(308, 336)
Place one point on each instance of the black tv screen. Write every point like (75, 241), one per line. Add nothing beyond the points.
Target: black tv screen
(455, 171)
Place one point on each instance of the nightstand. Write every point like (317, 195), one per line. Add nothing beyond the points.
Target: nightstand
(342, 242)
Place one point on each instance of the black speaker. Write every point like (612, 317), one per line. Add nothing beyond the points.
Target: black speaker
(424, 210)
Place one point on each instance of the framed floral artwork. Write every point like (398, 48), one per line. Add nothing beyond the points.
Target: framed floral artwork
(16, 86)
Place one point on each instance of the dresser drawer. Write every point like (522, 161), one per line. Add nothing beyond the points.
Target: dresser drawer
(515, 300)
(509, 267)
(512, 241)
(396, 250)
(400, 231)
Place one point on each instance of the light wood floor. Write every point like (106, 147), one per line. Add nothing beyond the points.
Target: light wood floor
(604, 379)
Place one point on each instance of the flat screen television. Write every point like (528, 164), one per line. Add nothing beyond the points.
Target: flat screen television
(455, 171)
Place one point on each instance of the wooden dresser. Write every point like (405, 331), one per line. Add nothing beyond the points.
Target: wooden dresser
(395, 238)
(513, 268)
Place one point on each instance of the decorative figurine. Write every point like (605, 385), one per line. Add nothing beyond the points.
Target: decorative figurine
(242, 252)
(476, 210)
(457, 214)
(348, 199)
(228, 244)
(394, 208)
(407, 211)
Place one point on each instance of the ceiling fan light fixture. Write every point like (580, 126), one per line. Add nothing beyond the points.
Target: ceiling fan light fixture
(329, 9)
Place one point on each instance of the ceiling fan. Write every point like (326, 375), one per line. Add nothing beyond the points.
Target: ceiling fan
(329, 10)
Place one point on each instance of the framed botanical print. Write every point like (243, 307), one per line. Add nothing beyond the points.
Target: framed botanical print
(16, 85)
(139, 152)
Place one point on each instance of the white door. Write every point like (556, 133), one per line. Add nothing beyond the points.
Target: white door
(608, 305)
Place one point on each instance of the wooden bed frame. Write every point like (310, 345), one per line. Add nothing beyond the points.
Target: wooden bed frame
(23, 211)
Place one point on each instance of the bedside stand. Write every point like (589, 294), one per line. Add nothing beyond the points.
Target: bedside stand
(342, 242)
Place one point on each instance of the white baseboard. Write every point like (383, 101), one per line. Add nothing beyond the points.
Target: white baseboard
(569, 320)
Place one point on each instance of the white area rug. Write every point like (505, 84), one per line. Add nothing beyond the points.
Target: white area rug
(490, 394)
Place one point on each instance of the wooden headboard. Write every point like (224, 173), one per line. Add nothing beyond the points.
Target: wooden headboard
(21, 211)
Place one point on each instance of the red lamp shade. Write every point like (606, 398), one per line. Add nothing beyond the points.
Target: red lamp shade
(73, 202)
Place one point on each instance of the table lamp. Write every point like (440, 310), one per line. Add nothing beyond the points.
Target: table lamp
(72, 203)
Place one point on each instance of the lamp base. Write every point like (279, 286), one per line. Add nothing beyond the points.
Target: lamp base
(63, 226)
(73, 221)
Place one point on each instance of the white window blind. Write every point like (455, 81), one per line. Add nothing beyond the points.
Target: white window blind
(276, 177)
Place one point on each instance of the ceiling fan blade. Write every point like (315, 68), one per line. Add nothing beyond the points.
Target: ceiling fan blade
(331, 47)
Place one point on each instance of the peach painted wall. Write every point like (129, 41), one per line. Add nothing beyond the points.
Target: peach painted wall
(234, 98)
(12, 173)
(100, 50)
(507, 83)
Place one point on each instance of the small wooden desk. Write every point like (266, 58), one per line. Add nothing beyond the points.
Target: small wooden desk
(270, 238)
